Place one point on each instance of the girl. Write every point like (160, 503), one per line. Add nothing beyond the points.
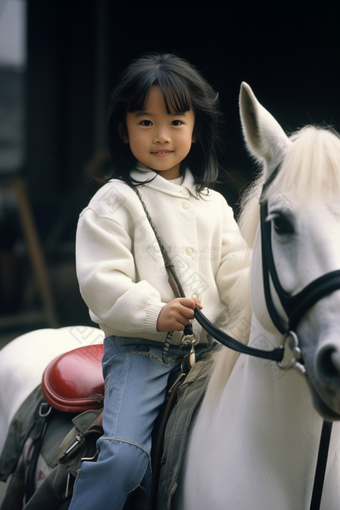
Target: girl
(164, 134)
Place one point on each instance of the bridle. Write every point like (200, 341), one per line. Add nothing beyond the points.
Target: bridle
(295, 306)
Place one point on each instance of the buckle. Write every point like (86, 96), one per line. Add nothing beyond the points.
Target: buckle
(190, 359)
(290, 342)
(45, 409)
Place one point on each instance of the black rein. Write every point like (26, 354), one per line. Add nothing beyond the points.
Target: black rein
(225, 339)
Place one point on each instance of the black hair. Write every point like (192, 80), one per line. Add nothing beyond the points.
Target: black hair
(182, 87)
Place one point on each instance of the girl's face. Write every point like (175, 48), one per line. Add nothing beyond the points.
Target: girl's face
(158, 139)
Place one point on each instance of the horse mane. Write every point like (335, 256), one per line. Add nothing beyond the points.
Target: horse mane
(312, 164)
(239, 312)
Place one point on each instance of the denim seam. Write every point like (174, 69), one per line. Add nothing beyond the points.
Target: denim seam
(124, 441)
(149, 355)
(139, 483)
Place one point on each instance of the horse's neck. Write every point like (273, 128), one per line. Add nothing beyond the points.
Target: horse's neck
(262, 421)
(269, 396)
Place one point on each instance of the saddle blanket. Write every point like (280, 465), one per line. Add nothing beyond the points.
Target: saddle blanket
(190, 395)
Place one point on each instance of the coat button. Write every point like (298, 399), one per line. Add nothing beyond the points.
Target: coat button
(189, 251)
(186, 205)
(185, 192)
(194, 295)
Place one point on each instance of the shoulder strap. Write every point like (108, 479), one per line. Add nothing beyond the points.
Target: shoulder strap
(174, 282)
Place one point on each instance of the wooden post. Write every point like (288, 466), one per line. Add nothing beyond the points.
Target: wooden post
(34, 250)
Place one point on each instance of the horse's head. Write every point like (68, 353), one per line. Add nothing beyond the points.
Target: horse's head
(303, 211)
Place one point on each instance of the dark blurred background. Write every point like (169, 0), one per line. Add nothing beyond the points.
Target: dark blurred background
(58, 62)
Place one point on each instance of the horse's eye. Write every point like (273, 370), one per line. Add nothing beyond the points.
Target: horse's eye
(282, 224)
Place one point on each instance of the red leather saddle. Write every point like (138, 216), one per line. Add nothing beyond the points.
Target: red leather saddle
(73, 382)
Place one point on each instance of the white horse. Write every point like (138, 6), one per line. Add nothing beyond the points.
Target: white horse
(254, 442)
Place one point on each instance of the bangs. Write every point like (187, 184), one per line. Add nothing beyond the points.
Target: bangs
(175, 93)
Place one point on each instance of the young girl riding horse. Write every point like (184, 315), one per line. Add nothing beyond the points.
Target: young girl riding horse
(164, 138)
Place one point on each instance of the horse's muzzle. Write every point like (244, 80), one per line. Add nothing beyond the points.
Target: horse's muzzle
(327, 368)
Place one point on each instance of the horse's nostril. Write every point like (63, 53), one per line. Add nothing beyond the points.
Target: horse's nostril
(328, 367)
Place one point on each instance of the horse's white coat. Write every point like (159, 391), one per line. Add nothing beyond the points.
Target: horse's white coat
(254, 442)
(257, 448)
(23, 361)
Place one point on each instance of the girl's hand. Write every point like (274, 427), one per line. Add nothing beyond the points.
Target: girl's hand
(175, 315)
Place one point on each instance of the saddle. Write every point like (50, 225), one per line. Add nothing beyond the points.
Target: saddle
(73, 382)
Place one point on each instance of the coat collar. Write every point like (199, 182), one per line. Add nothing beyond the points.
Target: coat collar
(143, 174)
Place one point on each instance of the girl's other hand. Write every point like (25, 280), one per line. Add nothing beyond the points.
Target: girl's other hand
(175, 315)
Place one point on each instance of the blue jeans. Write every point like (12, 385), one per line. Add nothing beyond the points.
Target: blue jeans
(135, 385)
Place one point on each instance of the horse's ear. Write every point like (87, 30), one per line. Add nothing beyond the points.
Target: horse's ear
(264, 137)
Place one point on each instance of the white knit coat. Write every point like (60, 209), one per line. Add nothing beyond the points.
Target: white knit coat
(119, 265)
